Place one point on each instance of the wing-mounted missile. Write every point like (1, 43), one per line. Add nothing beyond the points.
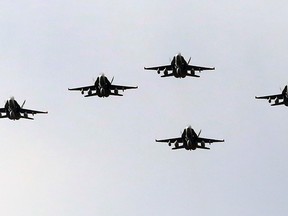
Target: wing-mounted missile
(169, 143)
(165, 71)
(276, 101)
(203, 144)
(176, 144)
(89, 92)
(82, 91)
(192, 72)
(269, 100)
(158, 71)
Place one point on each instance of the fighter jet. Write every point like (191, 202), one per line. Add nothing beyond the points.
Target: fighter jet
(13, 111)
(189, 140)
(102, 88)
(179, 68)
(283, 97)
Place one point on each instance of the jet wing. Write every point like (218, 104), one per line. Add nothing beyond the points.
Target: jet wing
(198, 68)
(32, 111)
(171, 140)
(159, 68)
(119, 87)
(84, 88)
(206, 140)
(279, 96)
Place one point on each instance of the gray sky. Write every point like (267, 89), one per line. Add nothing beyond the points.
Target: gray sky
(94, 156)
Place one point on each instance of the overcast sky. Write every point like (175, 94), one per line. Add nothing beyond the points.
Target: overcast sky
(98, 156)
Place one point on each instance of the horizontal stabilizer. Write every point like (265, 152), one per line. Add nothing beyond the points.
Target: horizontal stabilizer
(179, 147)
(202, 147)
(26, 117)
(192, 75)
(276, 104)
(112, 93)
(90, 95)
(168, 75)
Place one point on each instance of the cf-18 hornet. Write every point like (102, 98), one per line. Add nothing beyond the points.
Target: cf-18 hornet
(189, 140)
(102, 88)
(14, 111)
(279, 99)
(179, 68)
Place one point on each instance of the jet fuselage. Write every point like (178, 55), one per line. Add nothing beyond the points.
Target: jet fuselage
(12, 109)
(189, 139)
(285, 96)
(179, 66)
(102, 85)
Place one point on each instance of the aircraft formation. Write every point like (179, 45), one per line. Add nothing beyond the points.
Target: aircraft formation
(102, 87)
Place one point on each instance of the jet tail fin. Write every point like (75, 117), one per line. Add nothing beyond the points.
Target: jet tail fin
(23, 104)
(284, 90)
